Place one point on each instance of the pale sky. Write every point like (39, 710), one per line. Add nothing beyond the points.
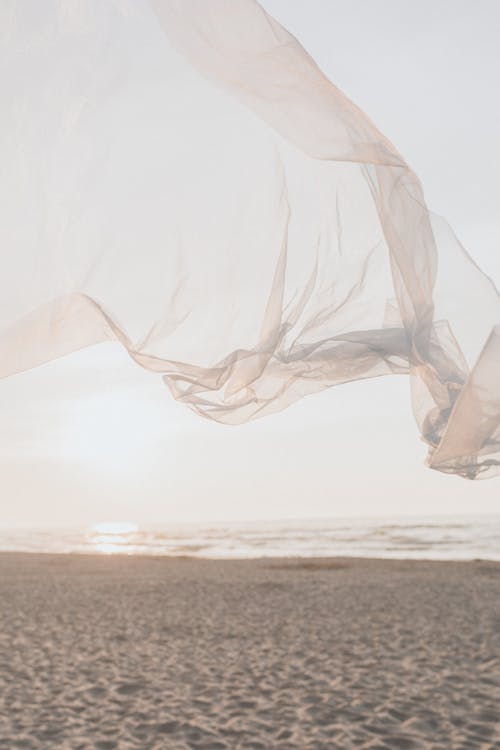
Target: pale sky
(93, 437)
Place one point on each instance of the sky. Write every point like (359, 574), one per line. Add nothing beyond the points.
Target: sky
(93, 437)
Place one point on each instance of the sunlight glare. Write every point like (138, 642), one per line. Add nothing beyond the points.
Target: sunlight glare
(115, 527)
(113, 536)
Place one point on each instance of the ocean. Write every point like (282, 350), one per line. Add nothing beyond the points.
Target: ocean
(431, 538)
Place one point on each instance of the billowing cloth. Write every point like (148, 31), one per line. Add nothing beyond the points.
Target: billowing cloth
(179, 175)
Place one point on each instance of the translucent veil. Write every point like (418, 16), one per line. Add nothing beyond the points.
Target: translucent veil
(179, 175)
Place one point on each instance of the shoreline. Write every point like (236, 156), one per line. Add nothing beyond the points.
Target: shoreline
(355, 559)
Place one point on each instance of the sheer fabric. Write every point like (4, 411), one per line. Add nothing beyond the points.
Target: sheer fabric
(179, 175)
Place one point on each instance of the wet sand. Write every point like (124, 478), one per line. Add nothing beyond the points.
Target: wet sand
(99, 653)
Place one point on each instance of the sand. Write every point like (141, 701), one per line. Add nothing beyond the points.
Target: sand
(151, 653)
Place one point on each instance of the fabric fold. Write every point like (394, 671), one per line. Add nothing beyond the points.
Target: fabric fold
(182, 177)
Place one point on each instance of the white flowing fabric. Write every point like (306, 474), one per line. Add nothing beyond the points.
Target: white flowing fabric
(179, 175)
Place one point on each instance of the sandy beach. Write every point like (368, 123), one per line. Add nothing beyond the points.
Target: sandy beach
(157, 653)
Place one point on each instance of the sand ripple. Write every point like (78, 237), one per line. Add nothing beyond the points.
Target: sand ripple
(159, 654)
